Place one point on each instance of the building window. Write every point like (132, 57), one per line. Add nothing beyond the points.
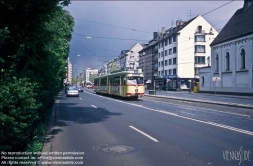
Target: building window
(131, 57)
(174, 50)
(203, 81)
(174, 71)
(166, 63)
(217, 62)
(159, 73)
(161, 63)
(159, 54)
(196, 71)
(170, 51)
(162, 54)
(166, 42)
(199, 29)
(166, 52)
(162, 73)
(174, 61)
(169, 71)
(158, 64)
(227, 61)
(242, 59)
(200, 38)
(208, 61)
(170, 40)
(200, 49)
(174, 38)
(200, 60)
(165, 72)
(170, 62)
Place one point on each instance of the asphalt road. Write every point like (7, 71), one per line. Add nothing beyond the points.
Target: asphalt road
(148, 132)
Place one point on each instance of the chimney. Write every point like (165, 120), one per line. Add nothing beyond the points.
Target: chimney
(163, 30)
(179, 22)
(155, 35)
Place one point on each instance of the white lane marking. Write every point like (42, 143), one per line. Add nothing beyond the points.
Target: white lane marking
(81, 99)
(144, 134)
(199, 108)
(93, 106)
(173, 114)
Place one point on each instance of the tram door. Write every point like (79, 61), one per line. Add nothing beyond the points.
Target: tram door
(122, 85)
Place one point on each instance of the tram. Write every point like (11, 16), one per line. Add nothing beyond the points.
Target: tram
(127, 84)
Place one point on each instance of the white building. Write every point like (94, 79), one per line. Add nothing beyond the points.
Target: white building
(182, 50)
(129, 59)
(88, 72)
(69, 72)
(232, 56)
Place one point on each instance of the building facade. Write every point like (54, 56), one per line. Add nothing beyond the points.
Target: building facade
(182, 50)
(88, 72)
(129, 59)
(148, 61)
(69, 72)
(232, 56)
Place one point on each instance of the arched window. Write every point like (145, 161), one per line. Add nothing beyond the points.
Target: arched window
(217, 62)
(242, 59)
(203, 80)
(227, 61)
(208, 61)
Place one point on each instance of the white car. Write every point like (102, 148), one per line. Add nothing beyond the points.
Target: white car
(72, 91)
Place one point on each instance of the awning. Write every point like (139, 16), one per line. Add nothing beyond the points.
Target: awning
(148, 82)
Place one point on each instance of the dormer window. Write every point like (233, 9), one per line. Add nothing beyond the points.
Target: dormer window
(199, 29)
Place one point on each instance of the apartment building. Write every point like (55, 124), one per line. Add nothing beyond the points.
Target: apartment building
(182, 50)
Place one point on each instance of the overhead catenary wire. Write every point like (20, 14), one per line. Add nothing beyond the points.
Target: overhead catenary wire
(115, 26)
(149, 32)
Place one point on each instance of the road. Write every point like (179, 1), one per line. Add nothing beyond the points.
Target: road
(149, 132)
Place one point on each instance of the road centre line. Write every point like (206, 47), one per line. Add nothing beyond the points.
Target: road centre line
(201, 108)
(155, 140)
(93, 106)
(173, 114)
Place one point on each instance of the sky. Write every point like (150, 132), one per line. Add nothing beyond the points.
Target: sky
(104, 28)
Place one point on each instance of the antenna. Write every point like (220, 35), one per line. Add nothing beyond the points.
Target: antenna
(172, 23)
(190, 14)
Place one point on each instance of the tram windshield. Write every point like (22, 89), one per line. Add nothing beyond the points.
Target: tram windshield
(135, 80)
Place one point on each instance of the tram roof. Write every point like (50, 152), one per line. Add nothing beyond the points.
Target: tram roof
(138, 71)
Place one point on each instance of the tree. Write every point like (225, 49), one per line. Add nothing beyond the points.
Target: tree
(34, 36)
(92, 77)
(114, 67)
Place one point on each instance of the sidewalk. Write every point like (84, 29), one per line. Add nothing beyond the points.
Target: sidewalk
(203, 94)
(228, 100)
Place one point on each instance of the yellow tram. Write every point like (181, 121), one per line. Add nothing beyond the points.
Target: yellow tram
(121, 83)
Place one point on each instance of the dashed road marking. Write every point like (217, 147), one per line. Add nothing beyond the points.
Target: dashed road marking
(176, 115)
(152, 138)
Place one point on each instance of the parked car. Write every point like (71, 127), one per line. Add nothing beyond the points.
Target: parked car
(72, 91)
(80, 89)
(90, 86)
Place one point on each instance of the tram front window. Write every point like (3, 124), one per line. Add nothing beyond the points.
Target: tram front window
(135, 80)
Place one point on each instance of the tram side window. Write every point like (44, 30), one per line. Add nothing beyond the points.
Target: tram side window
(103, 81)
(95, 82)
(115, 80)
(135, 80)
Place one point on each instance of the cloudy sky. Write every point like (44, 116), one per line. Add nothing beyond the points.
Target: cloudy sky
(104, 28)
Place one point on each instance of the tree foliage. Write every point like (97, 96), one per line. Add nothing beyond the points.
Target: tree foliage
(34, 36)
(114, 67)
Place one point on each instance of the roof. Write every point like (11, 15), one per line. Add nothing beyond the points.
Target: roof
(240, 24)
